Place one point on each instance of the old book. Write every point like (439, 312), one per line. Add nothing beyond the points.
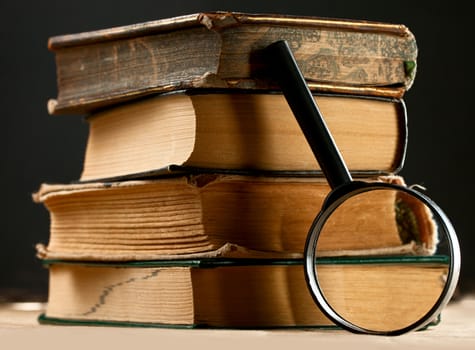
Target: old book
(168, 217)
(230, 293)
(224, 131)
(222, 49)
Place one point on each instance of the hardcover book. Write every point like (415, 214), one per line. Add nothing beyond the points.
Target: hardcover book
(156, 219)
(239, 132)
(222, 50)
(230, 293)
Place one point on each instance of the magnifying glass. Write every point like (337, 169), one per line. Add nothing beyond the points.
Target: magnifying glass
(385, 290)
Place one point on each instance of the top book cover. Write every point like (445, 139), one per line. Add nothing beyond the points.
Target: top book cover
(100, 68)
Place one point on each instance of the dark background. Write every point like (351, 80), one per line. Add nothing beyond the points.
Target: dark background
(42, 148)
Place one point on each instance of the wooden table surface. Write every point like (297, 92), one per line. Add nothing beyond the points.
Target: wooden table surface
(19, 330)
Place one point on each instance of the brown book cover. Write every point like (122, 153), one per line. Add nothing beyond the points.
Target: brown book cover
(222, 49)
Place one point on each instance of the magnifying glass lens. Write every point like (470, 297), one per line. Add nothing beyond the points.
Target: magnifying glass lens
(379, 258)
(382, 260)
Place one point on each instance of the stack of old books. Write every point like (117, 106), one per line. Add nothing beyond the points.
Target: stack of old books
(198, 187)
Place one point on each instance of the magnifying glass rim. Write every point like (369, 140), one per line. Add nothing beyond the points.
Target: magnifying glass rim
(310, 255)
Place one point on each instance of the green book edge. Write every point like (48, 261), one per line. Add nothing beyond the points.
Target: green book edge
(223, 262)
(46, 320)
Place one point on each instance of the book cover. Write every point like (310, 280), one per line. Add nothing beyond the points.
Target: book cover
(221, 50)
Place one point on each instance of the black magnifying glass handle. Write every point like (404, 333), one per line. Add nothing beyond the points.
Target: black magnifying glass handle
(306, 111)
